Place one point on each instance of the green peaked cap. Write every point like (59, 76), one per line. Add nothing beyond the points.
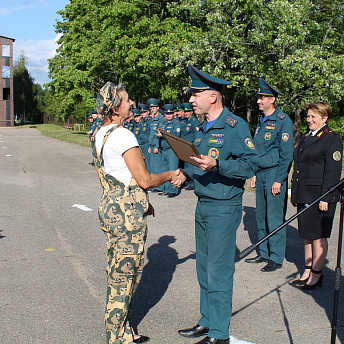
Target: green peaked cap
(201, 81)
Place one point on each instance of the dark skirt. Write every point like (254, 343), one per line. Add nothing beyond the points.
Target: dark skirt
(315, 224)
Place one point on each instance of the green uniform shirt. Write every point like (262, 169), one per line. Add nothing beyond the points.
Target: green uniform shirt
(229, 141)
(274, 143)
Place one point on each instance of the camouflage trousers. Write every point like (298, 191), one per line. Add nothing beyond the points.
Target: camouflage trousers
(122, 213)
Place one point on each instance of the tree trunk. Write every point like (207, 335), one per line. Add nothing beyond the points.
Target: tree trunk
(297, 127)
(248, 115)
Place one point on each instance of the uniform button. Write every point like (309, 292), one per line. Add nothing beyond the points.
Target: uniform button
(298, 172)
(297, 180)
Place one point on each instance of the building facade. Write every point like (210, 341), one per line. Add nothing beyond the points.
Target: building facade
(6, 82)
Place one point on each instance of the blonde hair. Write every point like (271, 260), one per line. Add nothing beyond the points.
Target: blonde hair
(320, 108)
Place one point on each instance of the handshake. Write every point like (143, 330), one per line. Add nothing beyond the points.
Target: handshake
(178, 177)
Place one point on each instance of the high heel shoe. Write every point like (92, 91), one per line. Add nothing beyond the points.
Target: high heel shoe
(318, 283)
(300, 282)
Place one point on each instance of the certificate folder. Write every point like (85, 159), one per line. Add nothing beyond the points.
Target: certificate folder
(182, 148)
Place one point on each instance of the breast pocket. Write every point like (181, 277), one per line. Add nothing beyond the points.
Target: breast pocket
(215, 146)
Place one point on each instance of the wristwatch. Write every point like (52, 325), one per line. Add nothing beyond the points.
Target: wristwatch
(216, 167)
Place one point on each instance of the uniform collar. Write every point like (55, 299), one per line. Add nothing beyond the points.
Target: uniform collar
(273, 116)
(220, 121)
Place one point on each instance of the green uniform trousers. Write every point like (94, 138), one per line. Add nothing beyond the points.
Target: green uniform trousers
(216, 223)
(270, 213)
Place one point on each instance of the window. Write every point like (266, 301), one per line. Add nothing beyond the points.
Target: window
(5, 93)
(6, 72)
(6, 51)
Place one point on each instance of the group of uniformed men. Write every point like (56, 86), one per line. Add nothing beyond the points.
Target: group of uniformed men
(176, 119)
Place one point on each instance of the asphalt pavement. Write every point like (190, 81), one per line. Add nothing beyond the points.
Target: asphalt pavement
(53, 260)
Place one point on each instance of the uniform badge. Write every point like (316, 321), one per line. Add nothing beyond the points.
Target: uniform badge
(214, 153)
(198, 140)
(178, 130)
(187, 128)
(337, 156)
(285, 137)
(267, 136)
(232, 122)
(249, 143)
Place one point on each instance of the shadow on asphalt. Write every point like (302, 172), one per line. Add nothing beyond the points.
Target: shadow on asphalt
(294, 254)
(156, 277)
(1, 236)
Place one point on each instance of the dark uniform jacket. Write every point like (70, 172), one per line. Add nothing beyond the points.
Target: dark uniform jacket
(229, 141)
(317, 166)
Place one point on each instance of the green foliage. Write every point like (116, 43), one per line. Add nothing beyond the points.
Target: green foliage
(27, 96)
(296, 45)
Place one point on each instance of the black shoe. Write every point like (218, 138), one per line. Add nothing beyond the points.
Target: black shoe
(142, 339)
(257, 259)
(194, 332)
(271, 266)
(211, 340)
(189, 188)
(171, 195)
(299, 282)
(318, 283)
(156, 190)
(162, 194)
(91, 163)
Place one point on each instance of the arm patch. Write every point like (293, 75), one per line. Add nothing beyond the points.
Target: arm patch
(232, 122)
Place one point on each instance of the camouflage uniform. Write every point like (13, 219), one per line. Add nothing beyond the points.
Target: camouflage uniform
(123, 217)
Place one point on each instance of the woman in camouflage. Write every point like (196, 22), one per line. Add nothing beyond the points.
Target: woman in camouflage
(123, 208)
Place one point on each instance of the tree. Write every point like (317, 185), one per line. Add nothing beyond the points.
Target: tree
(27, 96)
(296, 45)
(127, 41)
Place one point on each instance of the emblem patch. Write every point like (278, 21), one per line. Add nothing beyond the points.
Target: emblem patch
(285, 137)
(267, 136)
(214, 153)
(249, 143)
(178, 130)
(337, 156)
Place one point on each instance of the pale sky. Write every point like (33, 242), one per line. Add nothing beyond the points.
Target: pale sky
(31, 24)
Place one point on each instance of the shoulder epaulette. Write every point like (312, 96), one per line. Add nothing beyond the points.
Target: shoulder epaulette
(281, 116)
(232, 122)
(328, 131)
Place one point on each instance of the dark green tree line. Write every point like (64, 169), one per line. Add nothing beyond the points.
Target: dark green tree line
(296, 45)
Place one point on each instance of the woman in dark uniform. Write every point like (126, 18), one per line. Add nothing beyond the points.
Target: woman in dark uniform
(317, 167)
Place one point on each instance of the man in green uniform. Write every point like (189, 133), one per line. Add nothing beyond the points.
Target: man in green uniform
(154, 142)
(138, 125)
(169, 160)
(146, 120)
(227, 158)
(274, 143)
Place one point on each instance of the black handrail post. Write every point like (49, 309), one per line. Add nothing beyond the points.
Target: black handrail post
(338, 272)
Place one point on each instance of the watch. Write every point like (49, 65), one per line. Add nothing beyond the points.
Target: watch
(216, 167)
